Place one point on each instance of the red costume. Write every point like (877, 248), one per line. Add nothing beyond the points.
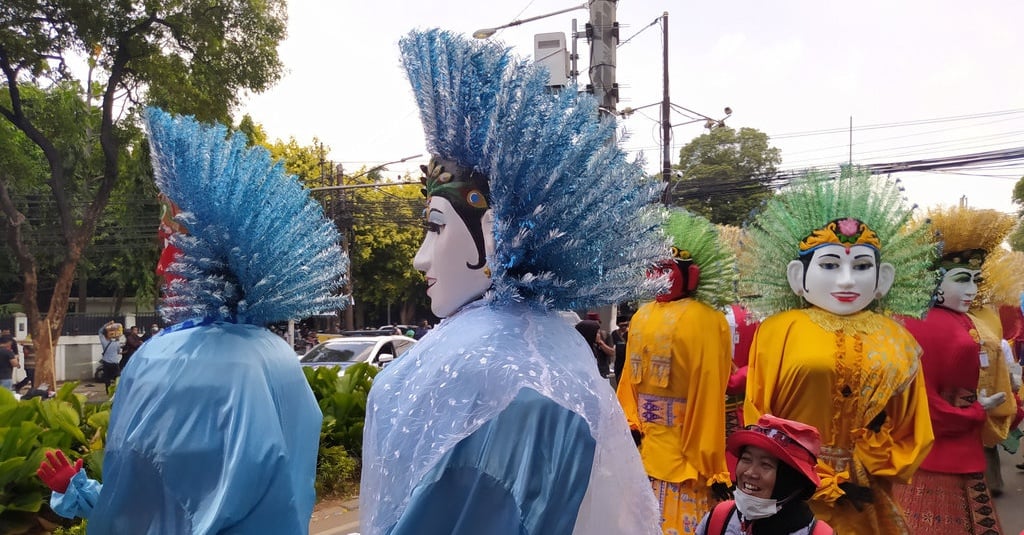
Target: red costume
(951, 368)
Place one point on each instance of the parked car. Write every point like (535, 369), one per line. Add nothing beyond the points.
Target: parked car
(344, 351)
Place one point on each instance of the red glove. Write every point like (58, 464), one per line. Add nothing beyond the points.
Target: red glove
(56, 471)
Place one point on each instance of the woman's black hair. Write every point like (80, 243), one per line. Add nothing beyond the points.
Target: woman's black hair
(789, 482)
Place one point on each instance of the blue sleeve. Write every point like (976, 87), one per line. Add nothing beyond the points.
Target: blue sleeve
(523, 473)
(78, 499)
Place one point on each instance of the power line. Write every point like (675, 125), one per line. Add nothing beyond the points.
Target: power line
(898, 124)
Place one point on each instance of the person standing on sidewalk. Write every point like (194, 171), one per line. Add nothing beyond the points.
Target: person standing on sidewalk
(969, 398)
(828, 258)
(29, 355)
(677, 366)
(8, 361)
(132, 342)
(110, 352)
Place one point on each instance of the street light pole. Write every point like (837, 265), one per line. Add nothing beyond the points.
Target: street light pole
(364, 173)
(666, 123)
(484, 33)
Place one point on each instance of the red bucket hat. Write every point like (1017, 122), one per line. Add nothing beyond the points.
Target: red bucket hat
(794, 443)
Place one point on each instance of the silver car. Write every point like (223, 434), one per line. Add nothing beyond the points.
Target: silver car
(345, 351)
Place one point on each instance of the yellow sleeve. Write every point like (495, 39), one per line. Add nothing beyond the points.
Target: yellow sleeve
(708, 340)
(995, 377)
(904, 439)
(762, 372)
(626, 390)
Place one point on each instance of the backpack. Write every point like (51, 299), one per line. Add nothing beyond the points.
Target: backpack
(721, 513)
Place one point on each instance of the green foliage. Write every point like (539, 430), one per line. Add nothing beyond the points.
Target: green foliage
(303, 162)
(726, 174)
(30, 428)
(77, 529)
(186, 56)
(194, 56)
(387, 232)
(342, 401)
(336, 472)
(1018, 196)
(1016, 238)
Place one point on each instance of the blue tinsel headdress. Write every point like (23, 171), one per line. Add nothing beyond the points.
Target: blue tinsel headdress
(575, 226)
(258, 248)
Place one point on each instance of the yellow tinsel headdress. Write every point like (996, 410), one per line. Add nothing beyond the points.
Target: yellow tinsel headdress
(1003, 277)
(972, 238)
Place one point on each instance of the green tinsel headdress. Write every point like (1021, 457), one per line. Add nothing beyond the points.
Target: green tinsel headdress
(694, 237)
(818, 206)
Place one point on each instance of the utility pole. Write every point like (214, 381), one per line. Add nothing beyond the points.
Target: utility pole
(603, 32)
(666, 124)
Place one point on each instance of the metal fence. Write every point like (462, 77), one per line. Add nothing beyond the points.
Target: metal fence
(84, 324)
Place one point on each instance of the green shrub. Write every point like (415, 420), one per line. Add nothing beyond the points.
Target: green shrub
(337, 473)
(342, 401)
(77, 529)
(30, 428)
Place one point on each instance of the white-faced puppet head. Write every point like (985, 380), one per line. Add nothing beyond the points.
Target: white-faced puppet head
(961, 277)
(459, 238)
(839, 268)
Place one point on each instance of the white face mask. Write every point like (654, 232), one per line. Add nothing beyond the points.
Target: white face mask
(840, 280)
(445, 257)
(754, 508)
(959, 288)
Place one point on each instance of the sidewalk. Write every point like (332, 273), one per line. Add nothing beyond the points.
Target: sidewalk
(94, 392)
(335, 517)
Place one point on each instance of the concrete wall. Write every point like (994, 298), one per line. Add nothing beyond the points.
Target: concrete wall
(76, 358)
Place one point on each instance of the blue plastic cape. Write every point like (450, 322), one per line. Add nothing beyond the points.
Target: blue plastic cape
(214, 429)
(508, 398)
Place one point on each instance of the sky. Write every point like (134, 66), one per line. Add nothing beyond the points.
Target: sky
(916, 79)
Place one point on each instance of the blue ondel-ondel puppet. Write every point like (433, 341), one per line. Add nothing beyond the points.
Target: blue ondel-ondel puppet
(498, 421)
(214, 428)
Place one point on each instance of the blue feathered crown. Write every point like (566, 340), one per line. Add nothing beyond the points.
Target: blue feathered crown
(575, 224)
(258, 249)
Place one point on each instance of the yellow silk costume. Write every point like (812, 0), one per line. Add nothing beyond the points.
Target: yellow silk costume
(673, 391)
(838, 373)
(995, 376)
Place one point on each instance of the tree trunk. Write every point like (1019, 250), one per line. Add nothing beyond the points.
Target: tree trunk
(45, 339)
(47, 331)
(408, 313)
(118, 301)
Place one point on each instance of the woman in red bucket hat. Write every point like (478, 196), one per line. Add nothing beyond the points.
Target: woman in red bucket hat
(775, 477)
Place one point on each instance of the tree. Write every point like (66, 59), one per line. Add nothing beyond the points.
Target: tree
(725, 174)
(387, 232)
(187, 56)
(1016, 238)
